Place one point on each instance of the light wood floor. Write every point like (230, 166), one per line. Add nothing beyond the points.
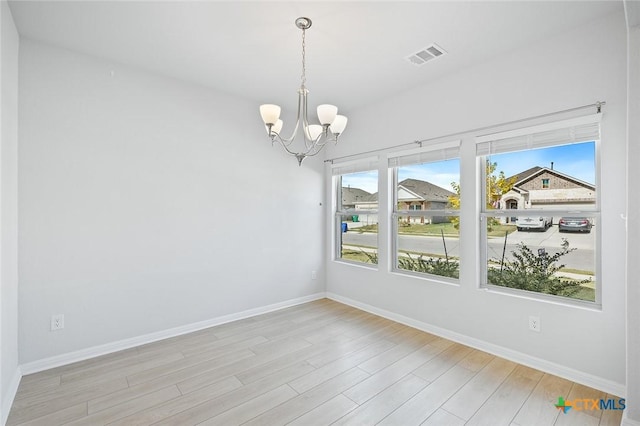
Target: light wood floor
(314, 364)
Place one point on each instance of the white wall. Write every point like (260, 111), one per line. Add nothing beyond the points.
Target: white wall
(9, 371)
(633, 218)
(147, 203)
(551, 75)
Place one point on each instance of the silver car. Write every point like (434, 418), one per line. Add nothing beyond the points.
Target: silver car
(533, 223)
(575, 224)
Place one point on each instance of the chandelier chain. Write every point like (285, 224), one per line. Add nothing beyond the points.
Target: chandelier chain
(303, 77)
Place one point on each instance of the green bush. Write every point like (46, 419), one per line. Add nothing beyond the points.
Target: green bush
(373, 256)
(442, 267)
(528, 271)
(535, 272)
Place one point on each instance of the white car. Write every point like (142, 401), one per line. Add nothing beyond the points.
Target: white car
(533, 223)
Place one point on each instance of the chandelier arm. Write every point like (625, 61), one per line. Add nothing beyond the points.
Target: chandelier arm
(284, 143)
(301, 107)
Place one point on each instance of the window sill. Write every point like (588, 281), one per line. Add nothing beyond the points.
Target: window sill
(541, 297)
(427, 277)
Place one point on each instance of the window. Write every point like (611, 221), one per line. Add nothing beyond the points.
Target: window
(425, 218)
(535, 238)
(356, 214)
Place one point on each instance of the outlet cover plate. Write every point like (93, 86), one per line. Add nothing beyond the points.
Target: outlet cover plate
(534, 323)
(57, 322)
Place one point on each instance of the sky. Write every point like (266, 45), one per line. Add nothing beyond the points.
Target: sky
(576, 160)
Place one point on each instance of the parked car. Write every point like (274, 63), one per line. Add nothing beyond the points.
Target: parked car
(533, 223)
(575, 224)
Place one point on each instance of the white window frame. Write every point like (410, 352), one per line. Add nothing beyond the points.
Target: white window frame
(433, 153)
(338, 170)
(576, 130)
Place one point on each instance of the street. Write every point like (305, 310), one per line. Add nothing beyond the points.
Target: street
(582, 258)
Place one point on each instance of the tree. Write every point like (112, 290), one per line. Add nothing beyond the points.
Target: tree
(496, 186)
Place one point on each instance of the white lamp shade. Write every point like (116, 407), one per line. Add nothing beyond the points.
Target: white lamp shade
(314, 131)
(338, 124)
(270, 113)
(275, 128)
(327, 113)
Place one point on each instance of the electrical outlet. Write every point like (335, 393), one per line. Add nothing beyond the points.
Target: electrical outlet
(57, 322)
(314, 275)
(534, 323)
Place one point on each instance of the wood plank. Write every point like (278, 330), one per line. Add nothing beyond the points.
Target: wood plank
(250, 409)
(476, 360)
(379, 381)
(377, 408)
(110, 372)
(443, 362)
(180, 404)
(127, 408)
(338, 366)
(236, 397)
(582, 415)
(193, 382)
(24, 410)
(324, 414)
(443, 418)
(539, 408)
(426, 402)
(32, 387)
(122, 396)
(223, 345)
(61, 417)
(505, 402)
(311, 399)
(411, 342)
(260, 371)
(179, 372)
(471, 397)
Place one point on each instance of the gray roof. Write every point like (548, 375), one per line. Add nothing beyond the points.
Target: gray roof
(353, 195)
(527, 175)
(523, 175)
(425, 190)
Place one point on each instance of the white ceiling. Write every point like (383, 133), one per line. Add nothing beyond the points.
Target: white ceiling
(355, 50)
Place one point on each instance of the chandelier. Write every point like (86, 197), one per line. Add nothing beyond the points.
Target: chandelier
(314, 136)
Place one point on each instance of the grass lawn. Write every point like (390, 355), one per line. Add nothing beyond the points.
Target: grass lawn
(436, 229)
(499, 230)
(585, 293)
(356, 256)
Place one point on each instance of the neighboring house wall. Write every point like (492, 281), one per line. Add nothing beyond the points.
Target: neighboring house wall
(407, 199)
(421, 206)
(548, 189)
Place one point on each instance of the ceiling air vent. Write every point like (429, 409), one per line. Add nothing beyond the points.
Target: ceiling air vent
(428, 53)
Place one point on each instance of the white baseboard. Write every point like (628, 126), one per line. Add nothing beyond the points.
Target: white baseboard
(586, 379)
(83, 354)
(7, 400)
